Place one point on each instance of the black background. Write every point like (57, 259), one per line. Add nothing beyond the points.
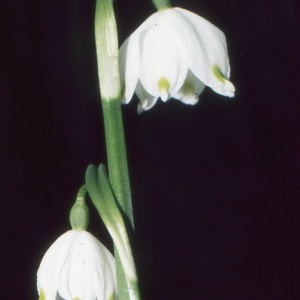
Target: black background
(215, 186)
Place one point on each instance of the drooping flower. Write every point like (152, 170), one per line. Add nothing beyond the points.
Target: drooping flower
(174, 53)
(77, 267)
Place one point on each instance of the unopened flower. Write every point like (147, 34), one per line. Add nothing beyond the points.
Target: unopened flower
(77, 267)
(174, 53)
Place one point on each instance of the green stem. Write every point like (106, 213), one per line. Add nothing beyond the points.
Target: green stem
(118, 175)
(116, 154)
(102, 195)
(108, 69)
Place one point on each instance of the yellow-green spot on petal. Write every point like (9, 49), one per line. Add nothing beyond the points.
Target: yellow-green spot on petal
(188, 88)
(163, 84)
(42, 295)
(218, 74)
(111, 297)
(76, 298)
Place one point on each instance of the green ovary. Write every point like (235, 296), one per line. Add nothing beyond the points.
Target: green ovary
(163, 84)
(218, 74)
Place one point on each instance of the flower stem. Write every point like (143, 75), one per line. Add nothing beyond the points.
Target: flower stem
(118, 175)
(102, 195)
(116, 154)
(108, 70)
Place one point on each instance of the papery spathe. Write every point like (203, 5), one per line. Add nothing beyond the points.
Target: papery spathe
(174, 53)
(77, 266)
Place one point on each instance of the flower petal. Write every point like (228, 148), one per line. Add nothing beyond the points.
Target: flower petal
(106, 271)
(89, 273)
(224, 87)
(77, 266)
(53, 263)
(130, 60)
(212, 42)
(186, 41)
(146, 100)
(129, 64)
(190, 90)
(161, 62)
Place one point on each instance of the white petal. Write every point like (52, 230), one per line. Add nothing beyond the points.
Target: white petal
(130, 60)
(212, 41)
(77, 265)
(75, 278)
(52, 265)
(89, 274)
(225, 89)
(108, 269)
(129, 64)
(162, 69)
(223, 86)
(187, 42)
(191, 89)
(146, 100)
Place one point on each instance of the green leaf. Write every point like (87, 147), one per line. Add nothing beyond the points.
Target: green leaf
(102, 196)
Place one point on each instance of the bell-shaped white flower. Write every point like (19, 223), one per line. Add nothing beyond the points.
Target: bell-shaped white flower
(77, 267)
(174, 53)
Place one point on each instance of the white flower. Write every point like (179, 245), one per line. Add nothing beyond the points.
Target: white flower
(174, 53)
(77, 267)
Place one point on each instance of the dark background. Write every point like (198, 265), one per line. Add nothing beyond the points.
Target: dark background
(215, 186)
